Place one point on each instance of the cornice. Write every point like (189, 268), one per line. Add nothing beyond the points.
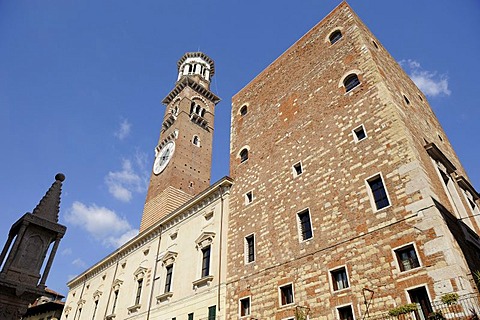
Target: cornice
(187, 81)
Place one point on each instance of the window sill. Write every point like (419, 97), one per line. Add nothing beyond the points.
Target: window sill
(287, 305)
(340, 291)
(110, 316)
(133, 308)
(164, 297)
(202, 281)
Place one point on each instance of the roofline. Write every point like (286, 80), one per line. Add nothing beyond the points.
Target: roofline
(149, 233)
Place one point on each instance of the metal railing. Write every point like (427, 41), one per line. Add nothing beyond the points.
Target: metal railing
(466, 307)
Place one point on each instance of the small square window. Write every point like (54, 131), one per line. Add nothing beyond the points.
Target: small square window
(345, 313)
(407, 258)
(297, 169)
(339, 279)
(305, 225)
(378, 192)
(359, 133)
(250, 248)
(249, 197)
(244, 307)
(286, 294)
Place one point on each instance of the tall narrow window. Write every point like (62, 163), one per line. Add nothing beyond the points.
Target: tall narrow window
(379, 192)
(212, 312)
(168, 279)
(95, 309)
(206, 261)
(335, 36)
(190, 316)
(359, 133)
(243, 155)
(351, 81)
(139, 290)
(244, 307)
(297, 169)
(250, 248)
(339, 279)
(115, 298)
(407, 258)
(286, 294)
(305, 225)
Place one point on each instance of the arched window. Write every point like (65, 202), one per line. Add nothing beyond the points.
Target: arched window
(203, 113)
(350, 82)
(243, 110)
(243, 155)
(335, 36)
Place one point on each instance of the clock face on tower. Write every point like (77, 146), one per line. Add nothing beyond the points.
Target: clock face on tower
(163, 157)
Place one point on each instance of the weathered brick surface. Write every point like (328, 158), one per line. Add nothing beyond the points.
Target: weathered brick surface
(298, 111)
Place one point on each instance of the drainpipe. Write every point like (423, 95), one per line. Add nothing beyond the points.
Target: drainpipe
(220, 249)
(154, 272)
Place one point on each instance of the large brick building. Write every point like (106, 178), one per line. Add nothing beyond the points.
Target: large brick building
(345, 184)
(347, 198)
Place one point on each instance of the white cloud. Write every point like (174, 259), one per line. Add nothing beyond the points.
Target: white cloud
(101, 223)
(79, 263)
(121, 184)
(430, 83)
(124, 130)
(66, 252)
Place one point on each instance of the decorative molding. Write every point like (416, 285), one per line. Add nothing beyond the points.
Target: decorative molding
(205, 239)
(202, 282)
(164, 297)
(436, 154)
(169, 258)
(133, 308)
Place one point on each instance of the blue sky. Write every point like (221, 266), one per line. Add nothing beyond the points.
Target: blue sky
(81, 84)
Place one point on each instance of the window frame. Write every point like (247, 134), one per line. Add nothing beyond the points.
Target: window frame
(240, 306)
(371, 194)
(294, 169)
(249, 197)
(337, 308)
(355, 136)
(244, 155)
(333, 280)
(333, 36)
(168, 278)
(399, 264)
(280, 294)
(248, 254)
(300, 226)
(206, 261)
(350, 88)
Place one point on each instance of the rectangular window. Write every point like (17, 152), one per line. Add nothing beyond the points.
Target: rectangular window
(190, 316)
(339, 279)
(249, 197)
(168, 279)
(305, 225)
(297, 169)
(359, 133)
(420, 297)
(95, 309)
(139, 291)
(379, 193)
(206, 261)
(250, 248)
(345, 313)
(407, 258)
(212, 312)
(115, 298)
(244, 307)
(286, 294)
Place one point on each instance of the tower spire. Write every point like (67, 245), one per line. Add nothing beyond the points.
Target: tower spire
(49, 206)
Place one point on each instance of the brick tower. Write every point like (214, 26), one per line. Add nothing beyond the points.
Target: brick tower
(348, 198)
(182, 164)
